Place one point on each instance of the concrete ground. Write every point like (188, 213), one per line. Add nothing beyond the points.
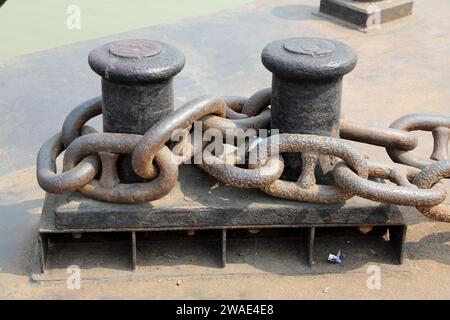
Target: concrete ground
(403, 68)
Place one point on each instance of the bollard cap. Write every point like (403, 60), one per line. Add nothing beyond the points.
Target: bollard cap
(308, 58)
(136, 60)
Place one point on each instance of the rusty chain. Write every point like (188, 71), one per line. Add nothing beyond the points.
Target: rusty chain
(90, 158)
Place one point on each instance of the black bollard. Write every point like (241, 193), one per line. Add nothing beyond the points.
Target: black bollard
(306, 91)
(137, 88)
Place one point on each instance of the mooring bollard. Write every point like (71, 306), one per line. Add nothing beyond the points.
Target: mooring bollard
(137, 88)
(306, 91)
(365, 15)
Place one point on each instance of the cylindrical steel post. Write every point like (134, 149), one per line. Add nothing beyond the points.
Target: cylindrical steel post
(137, 88)
(306, 91)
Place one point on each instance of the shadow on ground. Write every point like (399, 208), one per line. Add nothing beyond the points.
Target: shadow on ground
(295, 12)
(18, 236)
(435, 246)
(200, 255)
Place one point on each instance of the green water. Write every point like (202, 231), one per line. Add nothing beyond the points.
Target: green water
(31, 25)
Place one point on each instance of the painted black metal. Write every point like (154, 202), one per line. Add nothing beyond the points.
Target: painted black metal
(306, 90)
(137, 88)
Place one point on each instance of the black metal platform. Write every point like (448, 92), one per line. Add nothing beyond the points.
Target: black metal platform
(199, 202)
(364, 16)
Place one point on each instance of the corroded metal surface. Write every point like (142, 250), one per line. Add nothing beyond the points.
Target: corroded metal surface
(122, 144)
(306, 189)
(427, 178)
(306, 90)
(160, 133)
(78, 117)
(137, 89)
(384, 137)
(232, 175)
(404, 193)
(438, 125)
(257, 102)
(68, 181)
(243, 114)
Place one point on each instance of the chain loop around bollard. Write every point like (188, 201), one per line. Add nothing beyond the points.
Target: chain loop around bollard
(257, 102)
(78, 117)
(160, 133)
(235, 105)
(117, 143)
(65, 182)
(320, 145)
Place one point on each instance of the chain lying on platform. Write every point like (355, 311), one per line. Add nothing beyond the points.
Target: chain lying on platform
(90, 159)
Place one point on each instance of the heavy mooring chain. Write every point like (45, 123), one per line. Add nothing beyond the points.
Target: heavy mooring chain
(306, 189)
(439, 126)
(404, 193)
(427, 178)
(91, 158)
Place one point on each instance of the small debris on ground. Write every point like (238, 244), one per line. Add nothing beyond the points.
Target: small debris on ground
(335, 258)
(326, 290)
(373, 252)
(365, 229)
(244, 253)
(217, 185)
(386, 236)
(179, 283)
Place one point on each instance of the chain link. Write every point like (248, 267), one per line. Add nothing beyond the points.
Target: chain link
(306, 189)
(438, 125)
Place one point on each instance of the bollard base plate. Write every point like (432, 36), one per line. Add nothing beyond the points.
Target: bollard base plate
(200, 203)
(365, 16)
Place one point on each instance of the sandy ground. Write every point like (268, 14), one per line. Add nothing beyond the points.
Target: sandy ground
(403, 68)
